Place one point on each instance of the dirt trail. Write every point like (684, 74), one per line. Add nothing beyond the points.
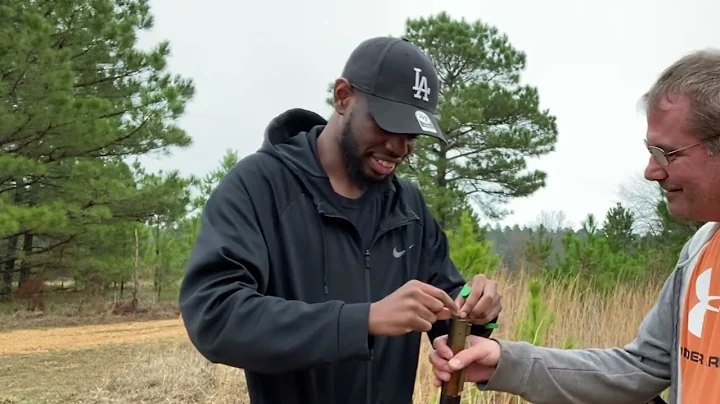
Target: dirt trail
(43, 340)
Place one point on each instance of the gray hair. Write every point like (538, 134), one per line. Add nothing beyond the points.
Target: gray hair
(696, 76)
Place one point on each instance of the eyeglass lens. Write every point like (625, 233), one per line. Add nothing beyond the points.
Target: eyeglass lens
(659, 155)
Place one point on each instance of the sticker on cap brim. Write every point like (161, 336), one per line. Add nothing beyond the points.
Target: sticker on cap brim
(425, 122)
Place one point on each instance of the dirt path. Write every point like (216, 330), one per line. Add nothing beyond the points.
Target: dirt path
(43, 340)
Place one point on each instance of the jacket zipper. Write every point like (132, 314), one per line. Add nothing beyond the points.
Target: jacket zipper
(368, 297)
(368, 293)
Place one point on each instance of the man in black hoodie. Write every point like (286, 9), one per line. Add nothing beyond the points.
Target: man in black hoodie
(316, 269)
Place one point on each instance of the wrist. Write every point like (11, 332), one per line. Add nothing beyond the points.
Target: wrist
(372, 321)
(513, 364)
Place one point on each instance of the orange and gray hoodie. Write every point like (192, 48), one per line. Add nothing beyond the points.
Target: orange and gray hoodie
(632, 374)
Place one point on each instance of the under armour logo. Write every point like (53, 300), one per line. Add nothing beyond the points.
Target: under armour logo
(696, 315)
(421, 86)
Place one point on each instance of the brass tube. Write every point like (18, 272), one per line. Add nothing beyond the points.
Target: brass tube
(451, 391)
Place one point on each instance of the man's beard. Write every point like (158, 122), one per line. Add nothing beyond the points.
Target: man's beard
(354, 158)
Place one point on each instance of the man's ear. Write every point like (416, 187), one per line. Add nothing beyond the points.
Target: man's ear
(342, 94)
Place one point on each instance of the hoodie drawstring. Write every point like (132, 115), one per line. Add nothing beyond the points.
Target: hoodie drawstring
(324, 263)
(326, 290)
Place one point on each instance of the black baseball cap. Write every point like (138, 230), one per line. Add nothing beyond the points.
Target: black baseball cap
(401, 84)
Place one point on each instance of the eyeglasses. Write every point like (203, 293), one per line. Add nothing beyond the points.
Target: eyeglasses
(661, 156)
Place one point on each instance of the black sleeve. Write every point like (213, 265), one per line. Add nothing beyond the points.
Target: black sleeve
(230, 321)
(442, 273)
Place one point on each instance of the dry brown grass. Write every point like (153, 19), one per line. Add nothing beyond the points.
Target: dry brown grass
(168, 370)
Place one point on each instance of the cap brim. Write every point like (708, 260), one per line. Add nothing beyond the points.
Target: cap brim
(396, 117)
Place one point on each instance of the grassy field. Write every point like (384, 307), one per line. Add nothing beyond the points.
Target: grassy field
(51, 359)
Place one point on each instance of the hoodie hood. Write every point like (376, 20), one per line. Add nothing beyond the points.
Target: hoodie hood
(290, 137)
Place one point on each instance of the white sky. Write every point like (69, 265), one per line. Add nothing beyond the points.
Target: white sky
(591, 61)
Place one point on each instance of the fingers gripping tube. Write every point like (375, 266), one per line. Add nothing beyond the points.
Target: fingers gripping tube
(451, 391)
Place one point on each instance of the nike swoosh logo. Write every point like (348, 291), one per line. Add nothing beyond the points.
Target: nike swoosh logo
(398, 254)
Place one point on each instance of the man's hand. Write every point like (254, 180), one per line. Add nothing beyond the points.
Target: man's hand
(479, 359)
(415, 306)
(484, 302)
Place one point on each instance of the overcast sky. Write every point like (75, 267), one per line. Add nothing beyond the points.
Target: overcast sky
(591, 61)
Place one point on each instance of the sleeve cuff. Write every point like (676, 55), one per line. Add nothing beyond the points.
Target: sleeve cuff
(481, 330)
(353, 332)
(513, 368)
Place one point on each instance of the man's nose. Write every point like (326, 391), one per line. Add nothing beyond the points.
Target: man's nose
(654, 171)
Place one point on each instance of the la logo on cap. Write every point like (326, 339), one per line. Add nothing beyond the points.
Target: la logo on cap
(421, 86)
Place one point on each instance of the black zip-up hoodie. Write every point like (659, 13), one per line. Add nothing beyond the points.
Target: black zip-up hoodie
(278, 284)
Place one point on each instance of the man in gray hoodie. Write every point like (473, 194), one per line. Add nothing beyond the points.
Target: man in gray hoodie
(678, 342)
